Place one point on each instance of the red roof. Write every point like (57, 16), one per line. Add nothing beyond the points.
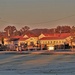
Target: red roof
(52, 38)
(57, 36)
(17, 37)
(30, 34)
(22, 39)
(48, 35)
(65, 34)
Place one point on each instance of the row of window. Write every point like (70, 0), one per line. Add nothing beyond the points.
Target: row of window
(53, 42)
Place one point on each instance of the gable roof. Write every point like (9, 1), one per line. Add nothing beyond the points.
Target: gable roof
(52, 38)
(48, 35)
(30, 34)
(56, 36)
(65, 34)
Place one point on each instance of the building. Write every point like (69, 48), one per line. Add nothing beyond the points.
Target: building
(28, 38)
(43, 39)
(54, 39)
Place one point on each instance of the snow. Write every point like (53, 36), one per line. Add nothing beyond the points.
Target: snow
(36, 64)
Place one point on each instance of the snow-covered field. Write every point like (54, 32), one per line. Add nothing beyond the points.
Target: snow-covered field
(34, 64)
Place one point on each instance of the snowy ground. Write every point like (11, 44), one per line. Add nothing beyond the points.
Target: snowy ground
(34, 64)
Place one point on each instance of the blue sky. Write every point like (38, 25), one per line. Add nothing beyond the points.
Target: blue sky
(36, 13)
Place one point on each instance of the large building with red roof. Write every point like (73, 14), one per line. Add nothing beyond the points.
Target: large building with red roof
(55, 39)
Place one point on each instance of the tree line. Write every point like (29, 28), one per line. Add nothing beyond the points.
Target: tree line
(12, 30)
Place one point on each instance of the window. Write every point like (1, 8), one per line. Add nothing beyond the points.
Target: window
(59, 41)
(62, 41)
(54, 42)
(47, 42)
(51, 42)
